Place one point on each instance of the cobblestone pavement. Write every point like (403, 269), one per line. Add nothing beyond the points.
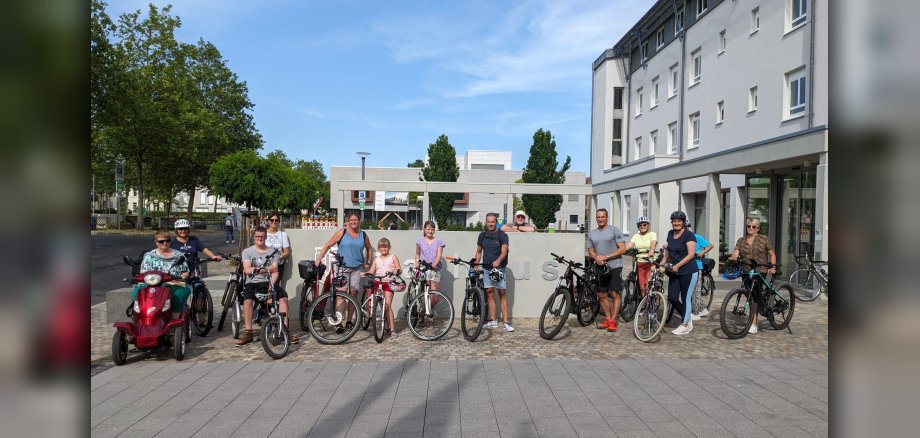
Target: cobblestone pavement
(807, 340)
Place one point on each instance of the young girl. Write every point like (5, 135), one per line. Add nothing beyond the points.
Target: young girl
(430, 249)
(383, 263)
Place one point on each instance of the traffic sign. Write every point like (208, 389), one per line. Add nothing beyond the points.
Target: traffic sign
(361, 203)
(362, 196)
(119, 185)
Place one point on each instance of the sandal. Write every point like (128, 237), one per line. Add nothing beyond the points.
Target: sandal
(245, 338)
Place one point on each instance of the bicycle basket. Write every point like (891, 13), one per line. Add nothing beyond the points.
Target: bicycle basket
(307, 270)
(708, 265)
(398, 284)
(732, 271)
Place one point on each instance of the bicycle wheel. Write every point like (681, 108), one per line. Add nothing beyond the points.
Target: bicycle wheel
(367, 311)
(472, 313)
(781, 304)
(380, 318)
(555, 313)
(339, 326)
(304, 308)
(708, 290)
(650, 314)
(236, 319)
(587, 306)
(227, 302)
(805, 284)
(430, 325)
(737, 313)
(202, 311)
(275, 338)
(630, 300)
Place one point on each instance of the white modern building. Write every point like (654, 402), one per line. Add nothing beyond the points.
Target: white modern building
(478, 159)
(718, 108)
(202, 202)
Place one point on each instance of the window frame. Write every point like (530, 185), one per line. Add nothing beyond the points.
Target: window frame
(696, 67)
(637, 147)
(639, 101)
(679, 21)
(652, 142)
(796, 21)
(673, 81)
(720, 112)
(659, 38)
(755, 20)
(694, 124)
(617, 103)
(655, 95)
(752, 99)
(643, 52)
(701, 7)
(722, 42)
(673, 141)
(798, 79)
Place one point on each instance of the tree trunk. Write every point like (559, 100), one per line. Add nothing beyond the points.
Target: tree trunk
(191, 202)
(140, 193)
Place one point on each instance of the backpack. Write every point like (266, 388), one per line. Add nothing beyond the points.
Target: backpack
(228, 221)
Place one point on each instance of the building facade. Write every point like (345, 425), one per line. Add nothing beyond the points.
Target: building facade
(718, 108)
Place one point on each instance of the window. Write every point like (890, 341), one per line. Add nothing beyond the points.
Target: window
(643, 51)
(701, 6)
(617, 97)
(755, 19)
(654, 92)
(752, 99)
(652, 142)
(720, 112)
(798, 13)
(797, 89)
(204, 198)
(627, 211)
(679, 21)
(722, 41)
(673, 81)
(696, 69)
(617, 129)
(573, 219)
(637, 148)
(617, 146)
(643, 198)
(693, 140)
(672, 138)
(639, 102)
(659, 38)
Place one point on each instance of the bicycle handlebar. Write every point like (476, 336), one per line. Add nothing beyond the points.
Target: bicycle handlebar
(562, 259)
(459, 261)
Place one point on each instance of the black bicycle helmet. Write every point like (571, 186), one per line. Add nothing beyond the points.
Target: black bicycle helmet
(679, 215)
(601, 270)
(496, 276)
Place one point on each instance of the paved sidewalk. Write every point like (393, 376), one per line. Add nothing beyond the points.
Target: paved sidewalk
(507, 398)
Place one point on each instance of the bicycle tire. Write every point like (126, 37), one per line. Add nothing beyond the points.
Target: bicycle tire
(275, 335)
(558, 305)
(304, 308)
(473, 313)
(380, 319)
(782, 305)
(202, 311)
(587, 307)
(226, 301)
(327, 335)
(805, 284)
(442, 316)
(367, 308)
(709, 290)
(630, 300)
(236, 320)
(736, 313)
(650, 314)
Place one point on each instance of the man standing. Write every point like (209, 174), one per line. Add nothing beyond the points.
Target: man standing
(492, 252)
(228, 228)
(606, 244)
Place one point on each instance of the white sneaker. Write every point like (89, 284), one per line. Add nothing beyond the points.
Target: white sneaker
(704, 313)
(683, 329)
(695, 317)
(490, 325)
(753, 329)
(508, 327)
(226, 241)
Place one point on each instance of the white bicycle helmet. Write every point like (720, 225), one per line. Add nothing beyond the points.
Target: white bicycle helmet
(642, 220)
(496, 276)
(398, 284)
(181, 223)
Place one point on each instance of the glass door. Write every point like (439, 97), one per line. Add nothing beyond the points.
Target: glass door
(796, 217)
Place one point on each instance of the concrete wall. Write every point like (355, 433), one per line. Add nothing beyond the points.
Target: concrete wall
(531, 274)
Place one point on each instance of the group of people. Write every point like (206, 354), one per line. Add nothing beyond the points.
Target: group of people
(605, 244)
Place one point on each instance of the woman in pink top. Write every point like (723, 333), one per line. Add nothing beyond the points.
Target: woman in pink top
(382, 264)
(430, 249)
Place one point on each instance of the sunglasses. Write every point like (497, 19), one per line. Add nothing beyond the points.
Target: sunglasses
(753, 226)
(164, 241)
(273, 220)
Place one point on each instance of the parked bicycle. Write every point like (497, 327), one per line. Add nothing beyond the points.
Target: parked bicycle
(777, 304)
(810, 279)
(631, 295)
(473, 308)
(561, 302)
(232, 300)
(429, 314)
(341, 312)
(652, 309)
(202, 305)
(379, 309)
(705, 289)
(276, 338)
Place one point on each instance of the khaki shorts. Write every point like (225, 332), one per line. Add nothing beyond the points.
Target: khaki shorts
(434, 275)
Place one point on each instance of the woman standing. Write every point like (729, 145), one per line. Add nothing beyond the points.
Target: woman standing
(351, 241)
(277, 239)
(682, 273)
(755, 246)
(645, 242)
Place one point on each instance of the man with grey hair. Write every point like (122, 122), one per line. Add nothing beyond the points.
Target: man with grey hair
(492, 252)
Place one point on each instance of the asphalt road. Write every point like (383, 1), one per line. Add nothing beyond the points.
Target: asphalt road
(107, 270)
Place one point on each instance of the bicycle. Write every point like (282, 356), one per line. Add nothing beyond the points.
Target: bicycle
(809, 281)
(342, 324)
(233, 298)
(473, 309)
(378, 307)
(561, 302)
(653, 307)
(705, 288)
(202, 307)
(426, 320)
(772, 302)
(276, 339)
(629, 300)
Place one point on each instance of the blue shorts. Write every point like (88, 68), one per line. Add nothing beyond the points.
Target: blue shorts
(487, 282)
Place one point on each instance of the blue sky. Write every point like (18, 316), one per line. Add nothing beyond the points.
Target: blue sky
(330, 78)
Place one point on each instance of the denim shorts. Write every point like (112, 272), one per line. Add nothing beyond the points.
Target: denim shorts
(487, 282)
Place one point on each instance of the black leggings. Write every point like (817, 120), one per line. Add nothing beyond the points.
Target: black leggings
(678, 287)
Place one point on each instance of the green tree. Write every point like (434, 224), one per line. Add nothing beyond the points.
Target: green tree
(541, 169)
(413, 196)
(417, 163)
(442, 166)
(313, 170)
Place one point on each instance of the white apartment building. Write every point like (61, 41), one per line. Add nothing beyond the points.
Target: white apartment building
(469, 208)
(202, 200)
(718, 108)
(479, 159)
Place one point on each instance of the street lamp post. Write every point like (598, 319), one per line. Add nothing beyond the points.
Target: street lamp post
(363, 156)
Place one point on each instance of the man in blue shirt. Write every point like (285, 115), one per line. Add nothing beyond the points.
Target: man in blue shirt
(492, 251)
